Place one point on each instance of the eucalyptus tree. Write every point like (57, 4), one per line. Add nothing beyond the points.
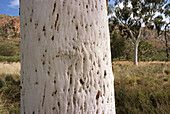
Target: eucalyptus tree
(65, 57)
(133, 15)
(163, 25)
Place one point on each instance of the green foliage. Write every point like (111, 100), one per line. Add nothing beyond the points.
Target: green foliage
(121, 48)
(13, 59)
(160, 56)
(167, 10)
(117, 45)
(158, 21)
(140, 9)
(9, 59)
(7, 49)
(145, 50)
(2, 58)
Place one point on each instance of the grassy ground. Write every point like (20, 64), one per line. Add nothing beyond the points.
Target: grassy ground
(9, 88)
(138, 90)
(144, 89)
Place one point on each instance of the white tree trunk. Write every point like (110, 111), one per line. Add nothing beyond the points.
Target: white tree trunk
(65, 57)
(136, 53)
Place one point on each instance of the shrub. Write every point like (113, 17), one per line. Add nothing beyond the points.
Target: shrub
(13, 59)
(7, 49)
(159, 56)
(2, 58)
(9, 59)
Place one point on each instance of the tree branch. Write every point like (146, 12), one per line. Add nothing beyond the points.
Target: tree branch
(131, 42)
(131, 34)
(140, 31)
(153, 13)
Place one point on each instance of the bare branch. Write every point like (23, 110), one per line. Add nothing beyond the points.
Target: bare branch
(131, 42)
(131, 34)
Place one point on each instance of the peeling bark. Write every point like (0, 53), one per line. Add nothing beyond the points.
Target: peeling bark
(65, 57)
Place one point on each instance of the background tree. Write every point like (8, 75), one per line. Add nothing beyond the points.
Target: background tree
(132, 15)
(120, 44)
(164, 25)
(146, 50)
(117, 45)
(65, 57)
(167, 29)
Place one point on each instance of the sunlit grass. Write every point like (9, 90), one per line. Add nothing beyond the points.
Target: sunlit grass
(12, 68)
(142, 90)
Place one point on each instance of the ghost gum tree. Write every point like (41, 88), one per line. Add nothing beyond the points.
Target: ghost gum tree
(131, 15)
(65, 57)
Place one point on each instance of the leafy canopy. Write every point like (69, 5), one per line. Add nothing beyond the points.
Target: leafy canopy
(133, 14)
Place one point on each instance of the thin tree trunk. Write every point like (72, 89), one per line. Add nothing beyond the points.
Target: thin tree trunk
(65, 57)
(135, 42)
(136, 53)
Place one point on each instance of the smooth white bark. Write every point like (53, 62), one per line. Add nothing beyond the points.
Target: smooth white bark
(135, 43)
(136, 54)
(65, 57)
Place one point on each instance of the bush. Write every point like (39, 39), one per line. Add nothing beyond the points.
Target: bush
(161, 56)
(9, 59)
(2, 58)
(7, 49)
(13, 59)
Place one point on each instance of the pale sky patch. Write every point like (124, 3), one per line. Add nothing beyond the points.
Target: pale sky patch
(14, 4)
(121, 5)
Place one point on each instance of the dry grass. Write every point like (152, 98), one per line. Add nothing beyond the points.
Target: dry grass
(143, 89)
(138, 90)
(9, 88)
(12, 68)
(141, 63)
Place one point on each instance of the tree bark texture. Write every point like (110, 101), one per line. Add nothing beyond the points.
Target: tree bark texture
(65, 57)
